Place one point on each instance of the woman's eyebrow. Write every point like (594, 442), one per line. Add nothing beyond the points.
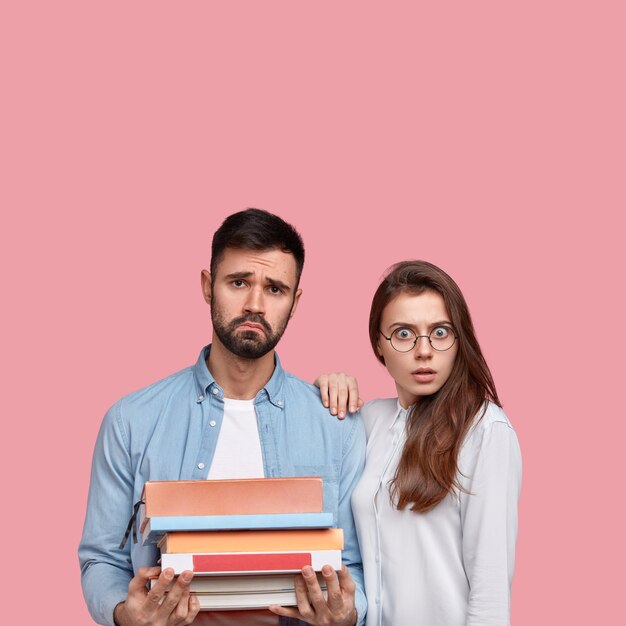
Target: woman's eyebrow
(412, 325)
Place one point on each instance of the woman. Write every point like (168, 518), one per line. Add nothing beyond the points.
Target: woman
(436, 507)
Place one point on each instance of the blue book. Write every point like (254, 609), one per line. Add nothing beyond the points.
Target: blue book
(156, 527)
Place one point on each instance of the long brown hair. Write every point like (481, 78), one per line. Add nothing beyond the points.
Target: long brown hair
(438, 423)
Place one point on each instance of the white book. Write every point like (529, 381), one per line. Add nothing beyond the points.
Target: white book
(228, 602)
(229, 593)
(264, 583)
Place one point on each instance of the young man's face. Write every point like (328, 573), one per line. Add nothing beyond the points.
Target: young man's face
(252, 296)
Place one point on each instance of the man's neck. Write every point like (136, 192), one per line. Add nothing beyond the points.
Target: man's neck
(240, 379)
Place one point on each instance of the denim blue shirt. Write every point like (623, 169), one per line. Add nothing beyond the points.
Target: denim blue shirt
(169, 431)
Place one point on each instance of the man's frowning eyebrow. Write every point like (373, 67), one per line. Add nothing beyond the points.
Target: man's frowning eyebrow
(274, 282)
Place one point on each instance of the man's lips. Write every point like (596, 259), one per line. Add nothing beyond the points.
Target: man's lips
(251, 326)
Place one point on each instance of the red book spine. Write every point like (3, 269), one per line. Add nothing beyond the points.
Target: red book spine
(250, 562)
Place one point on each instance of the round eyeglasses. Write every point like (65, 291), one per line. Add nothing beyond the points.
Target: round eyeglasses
(403, 339)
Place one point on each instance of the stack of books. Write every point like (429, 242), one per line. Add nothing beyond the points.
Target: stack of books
(244, 539)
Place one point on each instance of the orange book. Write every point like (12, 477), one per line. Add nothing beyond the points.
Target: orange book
(243, 496)
(252, 540)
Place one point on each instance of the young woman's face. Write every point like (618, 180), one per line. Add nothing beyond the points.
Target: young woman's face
(421, 370)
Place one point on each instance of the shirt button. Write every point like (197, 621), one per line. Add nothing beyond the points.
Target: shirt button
(215, 391)
(200, 398)
(280, 403)
(212, 423)
(200, 465)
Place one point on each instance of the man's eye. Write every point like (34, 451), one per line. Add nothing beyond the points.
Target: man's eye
(238, 283)
(275, 290)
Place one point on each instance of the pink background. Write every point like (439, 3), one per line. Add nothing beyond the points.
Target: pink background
(486, 137)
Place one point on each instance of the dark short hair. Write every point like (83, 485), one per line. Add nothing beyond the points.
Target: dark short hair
(256, 229)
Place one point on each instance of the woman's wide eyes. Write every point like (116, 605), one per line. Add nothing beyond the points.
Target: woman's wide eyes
(441, 332)
(404, 333)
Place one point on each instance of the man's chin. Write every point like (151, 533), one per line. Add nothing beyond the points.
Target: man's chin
(253, 336)
(250, 347)
(251, 355)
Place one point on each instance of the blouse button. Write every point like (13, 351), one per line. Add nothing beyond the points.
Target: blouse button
(215, 391)
(212, 423)
(200, 465)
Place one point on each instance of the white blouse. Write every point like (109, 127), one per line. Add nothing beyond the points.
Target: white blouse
(453, 565)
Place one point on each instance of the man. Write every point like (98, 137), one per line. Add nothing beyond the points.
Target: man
(235, 413)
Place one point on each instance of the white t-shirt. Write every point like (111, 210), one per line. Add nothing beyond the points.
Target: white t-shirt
(238, 451)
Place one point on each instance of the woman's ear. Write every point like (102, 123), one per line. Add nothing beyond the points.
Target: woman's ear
(379, 352)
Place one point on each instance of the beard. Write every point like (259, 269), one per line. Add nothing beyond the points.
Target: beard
(248, 344)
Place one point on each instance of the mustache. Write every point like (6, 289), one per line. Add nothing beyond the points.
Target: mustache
(251, 317)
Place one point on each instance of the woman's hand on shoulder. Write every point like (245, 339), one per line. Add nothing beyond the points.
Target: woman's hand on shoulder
(339, 392)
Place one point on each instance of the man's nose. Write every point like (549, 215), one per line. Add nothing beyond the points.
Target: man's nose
(255, 302)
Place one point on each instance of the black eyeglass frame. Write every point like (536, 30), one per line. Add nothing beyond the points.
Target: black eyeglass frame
(419, 337)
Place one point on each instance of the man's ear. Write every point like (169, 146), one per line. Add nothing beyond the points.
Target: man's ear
(205, 281)
(294, 306)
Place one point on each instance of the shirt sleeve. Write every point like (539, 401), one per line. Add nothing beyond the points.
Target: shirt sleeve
(106, 570)
(489, 523)
(351, 469)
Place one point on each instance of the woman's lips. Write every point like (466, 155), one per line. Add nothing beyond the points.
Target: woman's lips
(424, 375)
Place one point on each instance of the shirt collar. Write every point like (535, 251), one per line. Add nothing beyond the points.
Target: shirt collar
(206, 384)
(401, 415)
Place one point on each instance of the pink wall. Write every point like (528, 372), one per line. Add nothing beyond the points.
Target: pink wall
(486, 138)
